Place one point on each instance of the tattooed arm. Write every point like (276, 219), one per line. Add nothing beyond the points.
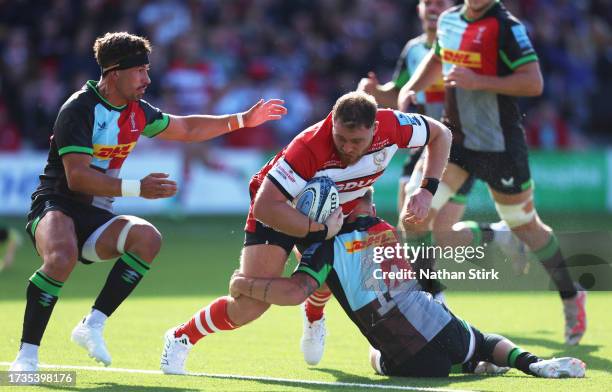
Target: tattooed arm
(276, 291)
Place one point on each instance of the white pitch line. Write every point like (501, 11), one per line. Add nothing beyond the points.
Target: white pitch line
(252, 378)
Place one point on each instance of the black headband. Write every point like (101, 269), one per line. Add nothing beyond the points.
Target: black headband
(134, 60)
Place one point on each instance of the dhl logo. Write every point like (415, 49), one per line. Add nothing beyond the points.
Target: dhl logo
(109, 152)
(373, 240)
(462, 58)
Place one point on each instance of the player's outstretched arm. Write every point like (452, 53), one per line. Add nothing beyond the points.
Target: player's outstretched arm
(82, 178)
(276, 291)
(197, 128)
(525, 81)
(385, 94)
(426, 74)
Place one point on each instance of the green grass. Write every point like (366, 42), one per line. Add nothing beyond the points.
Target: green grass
(198, 256)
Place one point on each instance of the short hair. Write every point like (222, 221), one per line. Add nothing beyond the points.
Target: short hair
(112, 47)
(355, 109)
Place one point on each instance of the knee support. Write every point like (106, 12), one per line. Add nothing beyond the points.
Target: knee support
(442, 196)
(89, 248)
(516, 214)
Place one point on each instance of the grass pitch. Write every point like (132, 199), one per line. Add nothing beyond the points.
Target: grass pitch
(197, 258)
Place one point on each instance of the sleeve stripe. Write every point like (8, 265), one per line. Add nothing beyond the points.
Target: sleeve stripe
(420, 134)
(75, 149)
(287, 178)
(427, 129)
(319, 277)
(279, 186)
(519, 62)
(157, 126)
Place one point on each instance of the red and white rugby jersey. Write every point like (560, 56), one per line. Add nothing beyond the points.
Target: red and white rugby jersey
(312, 154)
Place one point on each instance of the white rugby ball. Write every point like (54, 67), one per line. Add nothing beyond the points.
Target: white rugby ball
(318, 199)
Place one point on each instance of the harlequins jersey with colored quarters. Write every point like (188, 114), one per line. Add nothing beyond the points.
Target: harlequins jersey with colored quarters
(432, 99)
(495, 45)
(88, 124)
(390, 310)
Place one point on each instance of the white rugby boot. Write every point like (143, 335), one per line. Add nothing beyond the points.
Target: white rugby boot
(574, 310)
(559, 368)
(90, 337)
(313, 340)
(175, 353)
(27, 359)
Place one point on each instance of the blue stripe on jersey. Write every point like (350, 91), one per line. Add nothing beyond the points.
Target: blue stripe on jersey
(351, 274)
(450, 34)
(105, 132)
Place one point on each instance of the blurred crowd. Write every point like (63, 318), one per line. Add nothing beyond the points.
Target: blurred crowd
(220, 56)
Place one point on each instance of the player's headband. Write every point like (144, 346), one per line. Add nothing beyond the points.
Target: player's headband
(134, 60)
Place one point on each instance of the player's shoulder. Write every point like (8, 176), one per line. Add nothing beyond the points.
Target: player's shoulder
(391, 118)
(317, 138)
(504, 16)
(78, 101)
(451, 12)
(416, 41)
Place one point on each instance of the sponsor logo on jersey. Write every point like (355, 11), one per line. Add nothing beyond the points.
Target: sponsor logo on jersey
(353, 185)
(109, 152)
(101, 126)
(406, 119)
(377, 239)
(462, 58)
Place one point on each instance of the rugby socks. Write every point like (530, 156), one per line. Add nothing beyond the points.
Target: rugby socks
(482, 233)
(206, 321)
(519, 359)
(42, 294)
(554, 263)
(315, 305)
(121, 281)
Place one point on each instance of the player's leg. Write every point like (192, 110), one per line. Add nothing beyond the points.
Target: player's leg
(54, 236)
(133, 243)
(264, 255)
(519, 212)
(494, 351)
(10, 240)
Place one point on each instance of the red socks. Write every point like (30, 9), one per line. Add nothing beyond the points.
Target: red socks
(315, 304)
(210, 319)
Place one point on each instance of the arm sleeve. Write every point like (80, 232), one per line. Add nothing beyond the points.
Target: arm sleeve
(412, 130)
(293, 170)
(516, 48)
(156, 120)
(317, 261)
(72, 132)
(401, 75)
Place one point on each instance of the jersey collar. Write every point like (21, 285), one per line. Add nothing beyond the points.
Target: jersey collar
(93, 85)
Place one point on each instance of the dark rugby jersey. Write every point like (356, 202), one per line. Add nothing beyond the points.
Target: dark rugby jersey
(495, 45)
(88, 124)
(393, 314)
(432, 98)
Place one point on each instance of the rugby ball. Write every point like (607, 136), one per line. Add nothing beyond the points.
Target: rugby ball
(318, 199)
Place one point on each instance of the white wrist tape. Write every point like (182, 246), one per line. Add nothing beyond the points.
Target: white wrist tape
(240, 120)
(130, 187)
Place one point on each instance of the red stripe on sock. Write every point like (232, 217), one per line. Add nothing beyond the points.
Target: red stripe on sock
(315, 306)
(218, 315)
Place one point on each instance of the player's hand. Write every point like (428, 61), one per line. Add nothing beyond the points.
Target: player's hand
(418, 206)
(369, 84)
(334, 223)
(157, 186)
(264, 111)
(462, 77)
(406, 99)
